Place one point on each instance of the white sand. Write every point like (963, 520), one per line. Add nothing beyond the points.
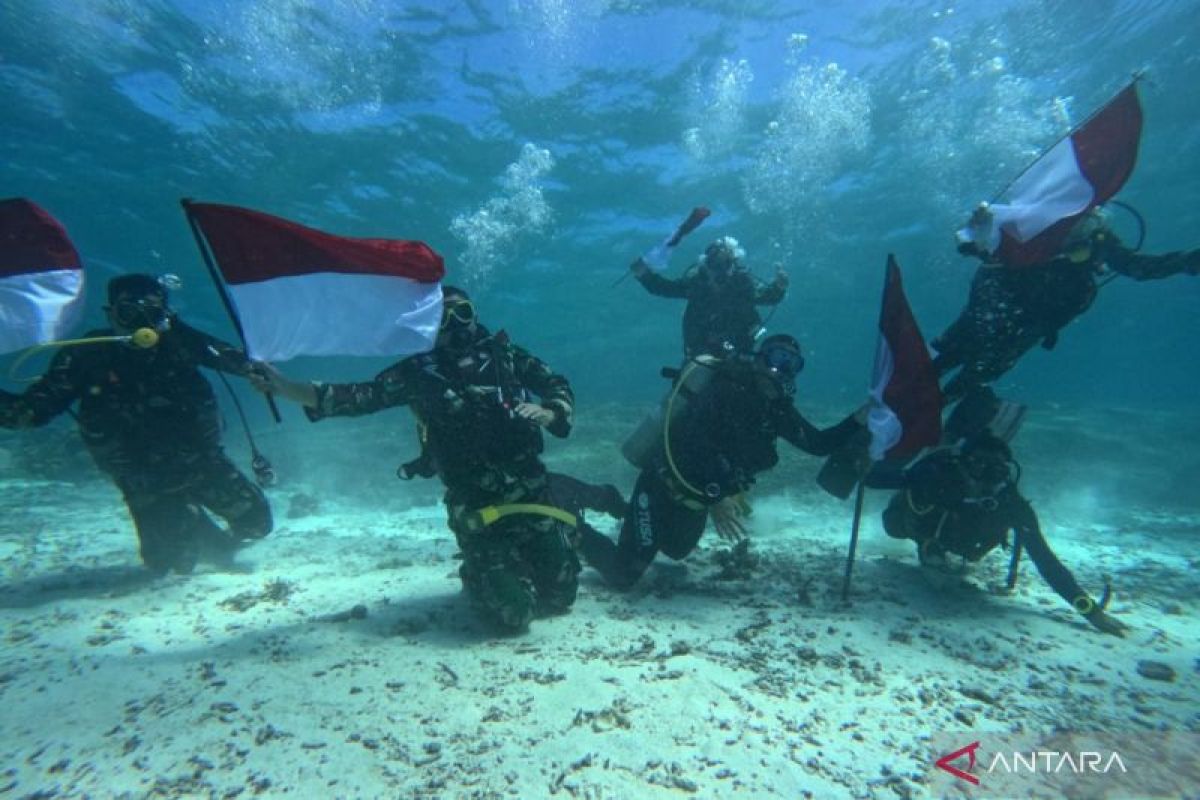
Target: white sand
(746, 681)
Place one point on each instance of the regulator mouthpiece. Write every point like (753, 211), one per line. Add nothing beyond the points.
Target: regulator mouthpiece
(144, 338)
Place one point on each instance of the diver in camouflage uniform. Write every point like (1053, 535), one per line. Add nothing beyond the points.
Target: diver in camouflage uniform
(474, 396)
(150, 421)
(1013, 308)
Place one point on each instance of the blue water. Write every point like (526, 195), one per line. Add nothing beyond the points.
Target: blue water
(823, 135)
(540, 146)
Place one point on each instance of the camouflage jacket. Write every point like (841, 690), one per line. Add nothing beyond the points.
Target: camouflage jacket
(1049, 295)
(136, 406)
(1011, 309)
(465, 399)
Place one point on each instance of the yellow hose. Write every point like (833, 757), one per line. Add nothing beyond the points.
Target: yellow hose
(144, 338)
(667, 430)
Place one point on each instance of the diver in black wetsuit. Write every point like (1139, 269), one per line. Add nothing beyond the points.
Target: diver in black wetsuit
(720, 318)
(1013, 308)
(709, 455)
(150, 421)
(964, 500)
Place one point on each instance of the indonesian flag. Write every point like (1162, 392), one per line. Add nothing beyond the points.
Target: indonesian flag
(656, 257)
(300, 291)
(1083, 170)
(41, 278)
(906, 402)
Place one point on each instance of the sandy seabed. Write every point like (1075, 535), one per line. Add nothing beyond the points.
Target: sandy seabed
(733, 674)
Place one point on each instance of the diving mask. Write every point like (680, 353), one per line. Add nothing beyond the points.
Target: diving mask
(722, 255)
(988, 469)
(457, 312)
(782, 360)
(149, 311)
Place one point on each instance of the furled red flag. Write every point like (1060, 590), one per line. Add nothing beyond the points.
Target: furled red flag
(1037, 210)
(656, 257)
(41, 278)
(300, 291)
(906, 402)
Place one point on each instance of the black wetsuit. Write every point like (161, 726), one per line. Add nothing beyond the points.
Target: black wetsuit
(718, 444)
(720, 314)
(150, 420)
(943, 511)
(1013, 308)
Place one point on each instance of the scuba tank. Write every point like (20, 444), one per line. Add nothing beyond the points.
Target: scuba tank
(639, 447)
(647, 439)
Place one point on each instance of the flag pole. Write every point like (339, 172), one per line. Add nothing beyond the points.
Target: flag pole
(1014, 564)
(226, 300)
(625, 274)
(858, 506)
(1137, 76)
(904, 409)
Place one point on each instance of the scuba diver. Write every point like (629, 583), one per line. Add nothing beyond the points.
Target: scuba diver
(717, 431)
(150, 421)
(482, 402)
(720, 318)
(964, 500)
(1012, 308)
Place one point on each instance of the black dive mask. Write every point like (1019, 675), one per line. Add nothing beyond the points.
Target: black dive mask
(457, 312)
(458, 329)
(782, 361)
(988, 469)
(146, 312)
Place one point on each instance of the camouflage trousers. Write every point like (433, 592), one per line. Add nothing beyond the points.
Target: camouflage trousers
(518, 567)
(171, 506)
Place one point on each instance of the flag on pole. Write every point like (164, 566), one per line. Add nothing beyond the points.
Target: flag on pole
(301, 291)
(906, 402)
(656, 257)
(41, 277)
(1036, 212)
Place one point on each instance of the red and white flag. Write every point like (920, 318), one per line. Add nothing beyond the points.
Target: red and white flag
(41, 277)
(301, 291)
(1037, 211)
(906, 402)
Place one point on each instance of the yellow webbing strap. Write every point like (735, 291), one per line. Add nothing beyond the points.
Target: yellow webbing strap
(490, 514)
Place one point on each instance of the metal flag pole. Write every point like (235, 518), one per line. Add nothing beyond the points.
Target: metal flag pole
(858, 506)
(226, 300)
(264, 473)
(1014, 564)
